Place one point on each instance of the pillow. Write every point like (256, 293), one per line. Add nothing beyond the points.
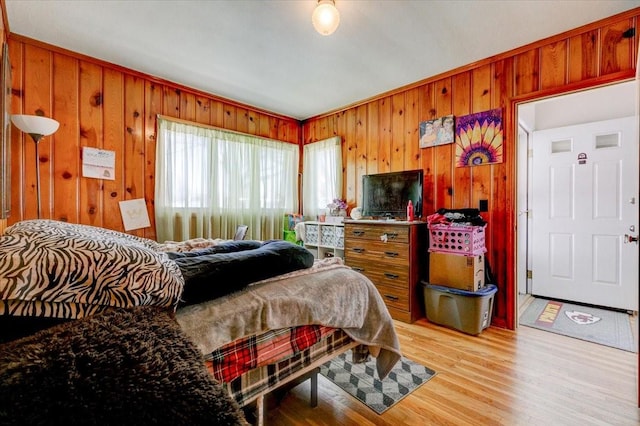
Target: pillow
(62, 270)
(125, 366)
(231, 266)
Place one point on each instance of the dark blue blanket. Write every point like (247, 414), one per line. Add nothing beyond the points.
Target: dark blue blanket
(228, 267)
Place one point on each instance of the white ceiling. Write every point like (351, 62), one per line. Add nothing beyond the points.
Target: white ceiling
(266, 53)
(586, 106)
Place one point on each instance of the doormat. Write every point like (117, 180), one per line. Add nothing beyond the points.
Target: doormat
(602, 326)
(361, 380)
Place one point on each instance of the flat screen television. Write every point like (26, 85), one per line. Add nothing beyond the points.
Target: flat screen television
(386, 195)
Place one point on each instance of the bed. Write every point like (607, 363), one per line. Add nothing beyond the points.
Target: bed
(253, 340)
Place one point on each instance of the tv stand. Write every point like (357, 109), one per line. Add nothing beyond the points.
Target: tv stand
(392, 254)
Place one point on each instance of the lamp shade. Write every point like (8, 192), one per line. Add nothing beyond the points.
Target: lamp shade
(35, 124)
(326, 17)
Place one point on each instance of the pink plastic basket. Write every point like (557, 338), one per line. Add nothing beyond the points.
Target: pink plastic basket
(456, 239)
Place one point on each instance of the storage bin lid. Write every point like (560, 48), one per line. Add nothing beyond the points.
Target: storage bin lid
(487, 290)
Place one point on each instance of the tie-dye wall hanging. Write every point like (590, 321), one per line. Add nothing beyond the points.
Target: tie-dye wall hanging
(479, 138)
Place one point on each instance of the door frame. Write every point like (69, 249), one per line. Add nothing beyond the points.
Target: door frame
(511, 114)
(511, 123)
(523, 247)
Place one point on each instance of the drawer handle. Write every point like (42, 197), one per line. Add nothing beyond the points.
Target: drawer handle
(390, 297)
(391, 276)
(391, 253)
(358, 232)
(355, 268)
(392, 235)
(358, 250)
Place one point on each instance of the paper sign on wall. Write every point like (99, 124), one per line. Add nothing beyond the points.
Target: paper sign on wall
(134, 214)
(98, 163)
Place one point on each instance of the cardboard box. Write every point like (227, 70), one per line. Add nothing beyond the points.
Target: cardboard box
(457, 270)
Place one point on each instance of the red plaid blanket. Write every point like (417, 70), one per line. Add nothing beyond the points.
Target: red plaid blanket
(240, 356)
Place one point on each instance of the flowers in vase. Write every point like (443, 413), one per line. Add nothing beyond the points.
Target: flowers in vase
(337, 206)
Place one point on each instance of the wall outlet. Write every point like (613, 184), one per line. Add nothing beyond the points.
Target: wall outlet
(484, 206)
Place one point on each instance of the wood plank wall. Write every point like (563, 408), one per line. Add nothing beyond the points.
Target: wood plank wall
(3, 38)
(109, 107)
(106, 106)
(381, 134)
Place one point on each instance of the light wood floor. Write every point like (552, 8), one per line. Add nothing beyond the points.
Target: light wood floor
(501, 377)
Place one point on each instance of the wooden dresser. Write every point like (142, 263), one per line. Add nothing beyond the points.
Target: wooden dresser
(393, 256)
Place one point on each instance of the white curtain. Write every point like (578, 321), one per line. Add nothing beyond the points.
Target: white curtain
(209, 181)
(322, 175)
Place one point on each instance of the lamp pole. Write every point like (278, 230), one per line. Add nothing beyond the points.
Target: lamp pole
(36, 138)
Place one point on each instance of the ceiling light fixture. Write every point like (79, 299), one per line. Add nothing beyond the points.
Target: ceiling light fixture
(326, 17)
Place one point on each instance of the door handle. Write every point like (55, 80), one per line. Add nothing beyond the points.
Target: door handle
(630, 239)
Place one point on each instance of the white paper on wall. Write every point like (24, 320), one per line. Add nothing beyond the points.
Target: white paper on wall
(98, 163)
(134, 214)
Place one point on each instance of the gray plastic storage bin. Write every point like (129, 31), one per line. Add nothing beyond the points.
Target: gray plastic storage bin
(466, 311)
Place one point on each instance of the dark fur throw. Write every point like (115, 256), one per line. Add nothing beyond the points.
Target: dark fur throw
(128, 366)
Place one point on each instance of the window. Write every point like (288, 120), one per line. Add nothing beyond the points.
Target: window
(208, 181)
(322, 178)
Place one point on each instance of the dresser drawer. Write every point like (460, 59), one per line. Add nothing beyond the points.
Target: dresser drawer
(393, 263)
(377, 251)
(394, 296)
(382, 274)
(377, 232)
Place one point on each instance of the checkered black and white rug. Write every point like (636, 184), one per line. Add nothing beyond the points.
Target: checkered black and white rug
(361, 380)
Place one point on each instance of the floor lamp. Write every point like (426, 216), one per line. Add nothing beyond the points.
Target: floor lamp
(37, 127)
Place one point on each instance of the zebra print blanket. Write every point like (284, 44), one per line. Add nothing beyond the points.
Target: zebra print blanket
(61, 270)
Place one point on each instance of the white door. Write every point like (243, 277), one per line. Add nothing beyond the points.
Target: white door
(585, 208)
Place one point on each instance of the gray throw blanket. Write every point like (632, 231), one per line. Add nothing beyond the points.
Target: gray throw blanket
(329, 294)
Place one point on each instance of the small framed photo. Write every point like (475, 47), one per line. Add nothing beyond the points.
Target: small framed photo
(440, 131)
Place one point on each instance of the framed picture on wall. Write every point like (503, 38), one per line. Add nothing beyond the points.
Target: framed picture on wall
(5, 137)
(479, 138)
(437, 132)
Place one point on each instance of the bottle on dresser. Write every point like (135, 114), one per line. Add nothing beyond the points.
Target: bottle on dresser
(410, 211)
